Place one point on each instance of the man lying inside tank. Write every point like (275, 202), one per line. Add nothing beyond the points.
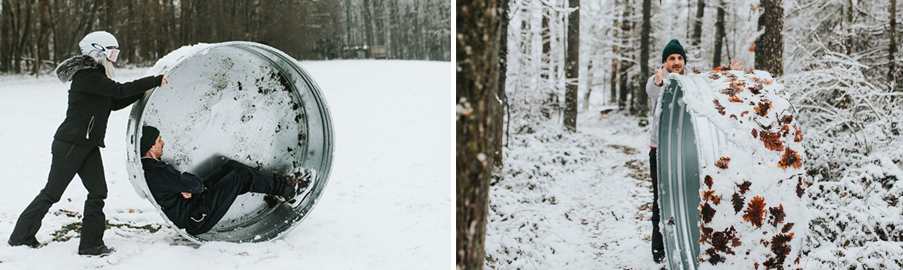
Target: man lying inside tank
(196, 205)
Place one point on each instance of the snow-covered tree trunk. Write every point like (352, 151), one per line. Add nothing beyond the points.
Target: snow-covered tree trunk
(891, 72)
(697, 24)
(642, 97)
(572, 66)
(478, 26)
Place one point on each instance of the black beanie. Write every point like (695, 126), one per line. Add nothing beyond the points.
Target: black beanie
(672, 48)
(148, 138)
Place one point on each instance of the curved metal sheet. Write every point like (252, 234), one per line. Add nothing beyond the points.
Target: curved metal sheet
(247, 102)
(692, 139)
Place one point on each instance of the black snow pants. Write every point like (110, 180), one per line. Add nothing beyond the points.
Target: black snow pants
(657, 245)
(67, 160)
(224, 185)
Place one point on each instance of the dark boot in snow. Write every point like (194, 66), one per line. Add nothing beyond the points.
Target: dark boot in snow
(32, 243)
(101, 251)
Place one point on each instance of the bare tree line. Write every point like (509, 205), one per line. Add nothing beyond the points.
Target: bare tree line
(35, 35)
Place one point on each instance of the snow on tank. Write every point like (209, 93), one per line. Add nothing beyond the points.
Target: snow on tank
(243, 101)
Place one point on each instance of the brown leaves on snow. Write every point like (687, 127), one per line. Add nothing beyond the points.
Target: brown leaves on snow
(744, 187)
(762, 108)
(772, 140)
(708, 181)
(706, 212)
(790, 159)
(733, 90)
(780, 249)
(755, 211)
(737, 201)
(776, 215)
(735, 99)
(719, 107)
(800, 189)
(787, 227)
(722, 163)
(709, 195)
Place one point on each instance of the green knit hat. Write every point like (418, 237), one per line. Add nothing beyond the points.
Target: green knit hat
(672, 48)
(148, 138)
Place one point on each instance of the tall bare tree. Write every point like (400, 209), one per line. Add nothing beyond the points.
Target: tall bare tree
(572, 66)
(623, 76)
(642, 97)
(891, 72)
(770, 45)
(478, 27)
(719, 34)
(697, 23)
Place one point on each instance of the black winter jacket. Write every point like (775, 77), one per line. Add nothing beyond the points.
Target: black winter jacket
(166, 184)
(92, 96)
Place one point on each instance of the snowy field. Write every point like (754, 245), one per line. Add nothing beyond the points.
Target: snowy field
(386, 205)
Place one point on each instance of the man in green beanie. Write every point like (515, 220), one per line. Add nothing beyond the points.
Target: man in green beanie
(196, 205)
(674, 60)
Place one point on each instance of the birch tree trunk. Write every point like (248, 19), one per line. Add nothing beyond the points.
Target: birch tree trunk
(572, 67)
(478, 28)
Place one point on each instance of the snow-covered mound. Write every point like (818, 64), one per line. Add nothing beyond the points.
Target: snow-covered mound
(752, 209)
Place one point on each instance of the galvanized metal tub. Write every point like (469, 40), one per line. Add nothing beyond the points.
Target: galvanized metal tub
(243, 101)
(708, 152)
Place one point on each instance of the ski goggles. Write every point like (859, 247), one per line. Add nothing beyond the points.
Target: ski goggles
(112, 52)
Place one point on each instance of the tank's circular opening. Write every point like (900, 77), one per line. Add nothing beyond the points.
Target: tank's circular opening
(243, 101)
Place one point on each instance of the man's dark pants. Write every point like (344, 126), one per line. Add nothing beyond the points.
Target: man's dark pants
(657, 245)
(226, 183)
(67, 160)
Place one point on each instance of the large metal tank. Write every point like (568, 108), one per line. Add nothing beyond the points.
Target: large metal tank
(243, 101)
(731, 182)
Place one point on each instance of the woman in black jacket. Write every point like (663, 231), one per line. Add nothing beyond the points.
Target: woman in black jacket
(76, 145)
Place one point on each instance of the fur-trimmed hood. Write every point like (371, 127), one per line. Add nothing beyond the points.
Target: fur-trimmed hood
(66, 70)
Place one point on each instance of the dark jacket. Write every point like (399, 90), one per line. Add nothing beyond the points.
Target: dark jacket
(166, 184)
(92, 96)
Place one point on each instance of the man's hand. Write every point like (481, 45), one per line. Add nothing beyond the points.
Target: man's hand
(186, 195)
(659, 75)
(165, 80)
(736, 65)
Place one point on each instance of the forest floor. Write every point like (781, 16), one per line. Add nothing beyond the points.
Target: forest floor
(573, 200)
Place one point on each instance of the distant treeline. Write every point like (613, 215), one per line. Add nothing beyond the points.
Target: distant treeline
(35, 35)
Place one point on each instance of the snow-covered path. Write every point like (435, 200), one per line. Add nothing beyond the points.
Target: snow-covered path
(573, 201)
(386, 205)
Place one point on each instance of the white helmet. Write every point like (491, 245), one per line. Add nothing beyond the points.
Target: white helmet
(99, 44)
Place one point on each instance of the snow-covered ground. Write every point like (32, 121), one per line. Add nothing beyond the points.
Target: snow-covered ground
(386, 205)
(573, 201)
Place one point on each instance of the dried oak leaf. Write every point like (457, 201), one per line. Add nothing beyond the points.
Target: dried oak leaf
(743, 113)
(708, 181)
(787, 119)
(714, 257)
(800, 190)
(790, 159)
(762, 108)
(706, 233)
(719, 107)
(756, 89)
(708, 195)
(706, 212)
(714, 76)
(780, 249)
(737, 201)
(722, 163)
(735, 99)
(784, 131)
(755, 211)
(772, 140)
(744, 187)
(735, 242)
(733, 89)
(776, 215)
(716, 199)
(734, 116)
(798, 137)
(755, 135)
(787, 227)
